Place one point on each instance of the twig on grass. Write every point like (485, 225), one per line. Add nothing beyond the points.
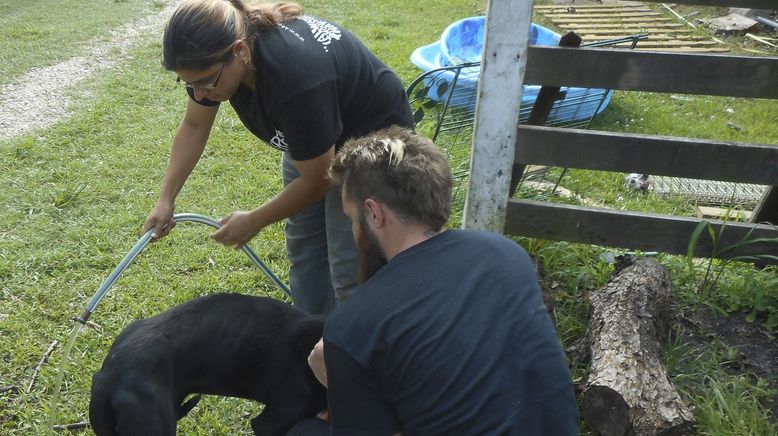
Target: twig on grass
(755, 51)
(73, 426)
(760, 39)
(40, 365)
(679, 16)
(689, 23)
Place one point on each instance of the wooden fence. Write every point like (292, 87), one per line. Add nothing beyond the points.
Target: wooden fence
(499, 146)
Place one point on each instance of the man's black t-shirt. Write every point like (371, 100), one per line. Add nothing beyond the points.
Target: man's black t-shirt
(450, 337)
(317, 86)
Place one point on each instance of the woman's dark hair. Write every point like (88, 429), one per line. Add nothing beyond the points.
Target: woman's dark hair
(200, 33)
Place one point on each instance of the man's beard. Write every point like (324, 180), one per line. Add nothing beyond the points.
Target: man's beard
(371, 257)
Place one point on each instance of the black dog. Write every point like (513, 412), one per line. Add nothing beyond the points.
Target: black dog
(226, 344)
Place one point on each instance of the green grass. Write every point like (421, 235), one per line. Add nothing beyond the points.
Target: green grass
(726, 403)
(44, 32)
(75, 196)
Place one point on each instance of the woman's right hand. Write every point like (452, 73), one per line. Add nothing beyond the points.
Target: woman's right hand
(160, 219)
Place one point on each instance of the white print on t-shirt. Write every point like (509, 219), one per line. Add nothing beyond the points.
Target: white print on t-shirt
(278, 141)
(323, 31)
(292, 31)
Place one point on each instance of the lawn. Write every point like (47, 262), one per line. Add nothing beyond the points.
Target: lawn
(75, 196)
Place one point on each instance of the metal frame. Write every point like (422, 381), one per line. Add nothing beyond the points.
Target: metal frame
(456, 124)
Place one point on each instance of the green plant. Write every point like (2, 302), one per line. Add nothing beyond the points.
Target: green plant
(742, 290)
(733, 406)
(722, 256)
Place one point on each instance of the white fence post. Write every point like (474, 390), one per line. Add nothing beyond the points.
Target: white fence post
(503, 64)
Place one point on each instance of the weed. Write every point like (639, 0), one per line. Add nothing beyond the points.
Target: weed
(733, 406)
(747, 291)
(67, 197)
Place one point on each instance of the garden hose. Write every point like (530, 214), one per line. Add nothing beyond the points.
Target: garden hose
(144, 241)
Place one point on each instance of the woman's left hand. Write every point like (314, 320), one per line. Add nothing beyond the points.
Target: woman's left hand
(237, 229)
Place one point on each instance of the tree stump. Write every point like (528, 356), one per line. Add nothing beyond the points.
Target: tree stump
(628, 389)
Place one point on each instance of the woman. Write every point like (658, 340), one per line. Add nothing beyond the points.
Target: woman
(301, 84)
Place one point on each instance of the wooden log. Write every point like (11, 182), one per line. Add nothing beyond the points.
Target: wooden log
(628, 389)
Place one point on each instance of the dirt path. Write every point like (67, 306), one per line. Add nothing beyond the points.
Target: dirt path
(39, 98)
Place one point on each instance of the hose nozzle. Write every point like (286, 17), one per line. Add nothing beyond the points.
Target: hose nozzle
(83, 318)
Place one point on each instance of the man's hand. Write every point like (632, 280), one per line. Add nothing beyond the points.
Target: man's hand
(237, 229)
(316, 362)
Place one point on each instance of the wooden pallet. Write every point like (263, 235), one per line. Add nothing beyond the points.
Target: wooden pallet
(721, 213)
(608, 21)
(597, 36)
(675, 27)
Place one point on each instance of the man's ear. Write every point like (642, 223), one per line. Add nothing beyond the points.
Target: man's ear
(374, 213)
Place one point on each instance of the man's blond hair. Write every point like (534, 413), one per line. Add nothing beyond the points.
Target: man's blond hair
(399, 168)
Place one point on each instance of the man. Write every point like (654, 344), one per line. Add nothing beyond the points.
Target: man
(447, 332)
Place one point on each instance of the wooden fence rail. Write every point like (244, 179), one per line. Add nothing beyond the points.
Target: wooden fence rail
(630, 70)
(648, 154)
(641, 231)
(682, 73)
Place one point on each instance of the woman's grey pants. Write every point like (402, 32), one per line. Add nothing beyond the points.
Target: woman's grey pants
(321, 250)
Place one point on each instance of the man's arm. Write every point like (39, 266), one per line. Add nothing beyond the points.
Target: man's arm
(316, 362)
(355, 404)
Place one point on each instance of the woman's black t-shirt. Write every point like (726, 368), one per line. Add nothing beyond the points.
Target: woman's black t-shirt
(317, 85)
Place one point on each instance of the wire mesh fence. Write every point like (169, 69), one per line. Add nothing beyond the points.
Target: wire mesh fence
(709, 192)
(444, 101)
